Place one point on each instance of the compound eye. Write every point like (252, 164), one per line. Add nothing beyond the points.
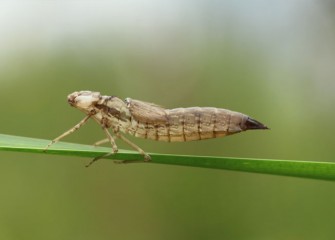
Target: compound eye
(71, 99)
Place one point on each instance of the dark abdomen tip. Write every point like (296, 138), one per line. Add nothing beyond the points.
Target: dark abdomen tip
(251, 124)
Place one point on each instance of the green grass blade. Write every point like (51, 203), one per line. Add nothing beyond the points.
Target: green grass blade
(316, 170)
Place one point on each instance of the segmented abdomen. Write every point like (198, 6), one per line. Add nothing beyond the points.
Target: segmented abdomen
(189, 124)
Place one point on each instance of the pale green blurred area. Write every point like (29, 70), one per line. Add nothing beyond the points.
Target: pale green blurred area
(271, 60)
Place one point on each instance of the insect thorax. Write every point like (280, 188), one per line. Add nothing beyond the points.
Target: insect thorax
(112, 112)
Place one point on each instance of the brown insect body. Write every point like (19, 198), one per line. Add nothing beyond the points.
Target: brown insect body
(147, 120)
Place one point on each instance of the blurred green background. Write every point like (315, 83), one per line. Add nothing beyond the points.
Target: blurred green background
(273, 60)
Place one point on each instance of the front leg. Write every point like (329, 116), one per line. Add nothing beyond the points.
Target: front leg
(75, 128)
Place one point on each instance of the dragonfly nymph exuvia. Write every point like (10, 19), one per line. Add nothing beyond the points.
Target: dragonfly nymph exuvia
(150, 121)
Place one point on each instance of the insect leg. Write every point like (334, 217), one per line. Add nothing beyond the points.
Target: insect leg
(76, 127)
(114, 147)
(147, 157)
(106, 140)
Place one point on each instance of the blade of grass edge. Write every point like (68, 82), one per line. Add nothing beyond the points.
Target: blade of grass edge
(305, 169)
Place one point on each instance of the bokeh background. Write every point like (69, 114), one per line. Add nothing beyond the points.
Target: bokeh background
(273, 60)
